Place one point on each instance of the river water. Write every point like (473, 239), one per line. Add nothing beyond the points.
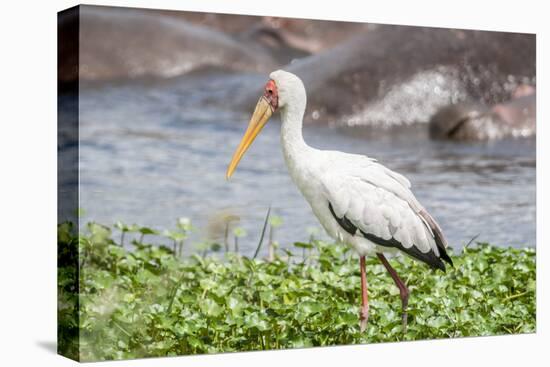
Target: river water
(152, 152)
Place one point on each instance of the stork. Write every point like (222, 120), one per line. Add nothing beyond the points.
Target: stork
(357, 200)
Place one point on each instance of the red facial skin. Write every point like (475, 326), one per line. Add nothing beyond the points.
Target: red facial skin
(271, 94)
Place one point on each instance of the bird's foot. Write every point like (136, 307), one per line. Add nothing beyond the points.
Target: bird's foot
(363, 318)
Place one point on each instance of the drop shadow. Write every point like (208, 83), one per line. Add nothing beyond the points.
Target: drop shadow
(48, 345)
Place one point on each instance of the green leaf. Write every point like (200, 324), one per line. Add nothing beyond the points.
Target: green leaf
(215, 247)
(437, 322)
(254, 320)
(239, 232)
(275, 221)
(303, 245)
(236, 305)
(184, 224)
(210, 307)
(147, 230)
(146, 302)
(99, 233)
(173, 235)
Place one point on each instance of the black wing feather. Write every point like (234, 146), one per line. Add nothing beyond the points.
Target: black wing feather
(429, 257)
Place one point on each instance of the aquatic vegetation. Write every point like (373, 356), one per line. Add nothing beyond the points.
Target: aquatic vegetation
(148, 301)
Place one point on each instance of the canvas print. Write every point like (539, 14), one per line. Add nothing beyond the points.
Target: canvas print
(232, 183)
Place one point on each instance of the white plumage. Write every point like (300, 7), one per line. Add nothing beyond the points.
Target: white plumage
(357, 200)
(373, 198)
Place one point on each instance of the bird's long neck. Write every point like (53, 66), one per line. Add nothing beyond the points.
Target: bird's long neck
(295, 149)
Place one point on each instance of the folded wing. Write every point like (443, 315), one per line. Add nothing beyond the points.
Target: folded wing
(369, 200)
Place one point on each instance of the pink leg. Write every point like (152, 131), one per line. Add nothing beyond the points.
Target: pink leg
(364, 315)
(403, 290)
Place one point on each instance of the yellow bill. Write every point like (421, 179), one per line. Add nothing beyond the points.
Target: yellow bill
(262, 113)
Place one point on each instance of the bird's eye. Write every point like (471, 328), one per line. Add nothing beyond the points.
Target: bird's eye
(270, 91)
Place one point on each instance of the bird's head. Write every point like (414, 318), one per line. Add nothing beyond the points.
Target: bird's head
(279, 92)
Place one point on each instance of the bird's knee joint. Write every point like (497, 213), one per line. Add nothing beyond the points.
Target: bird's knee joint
(405, 296)
(364, 313)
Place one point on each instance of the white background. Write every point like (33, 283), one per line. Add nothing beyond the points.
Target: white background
(28, 183)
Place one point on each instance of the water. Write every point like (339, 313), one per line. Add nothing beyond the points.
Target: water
(154, 152)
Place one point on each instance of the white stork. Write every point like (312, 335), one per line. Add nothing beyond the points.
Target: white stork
(357, 200)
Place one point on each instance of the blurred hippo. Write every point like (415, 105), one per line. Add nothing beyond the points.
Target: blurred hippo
(395, 75)
(123, 43)
(515, 118)
(307, 35)
(126, 43)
